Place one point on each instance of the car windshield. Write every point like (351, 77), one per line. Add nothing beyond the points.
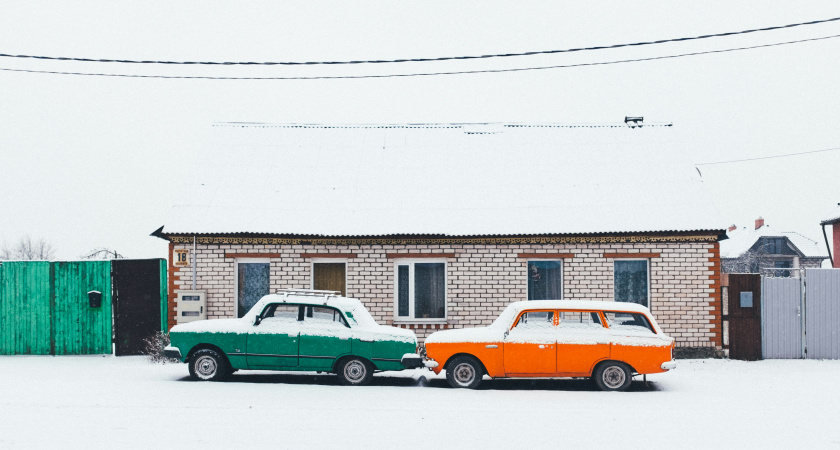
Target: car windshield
(359, 316)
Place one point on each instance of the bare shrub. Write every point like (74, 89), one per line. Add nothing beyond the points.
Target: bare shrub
(153, 348)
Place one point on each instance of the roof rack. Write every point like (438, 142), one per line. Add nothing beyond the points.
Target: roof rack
(312, 292)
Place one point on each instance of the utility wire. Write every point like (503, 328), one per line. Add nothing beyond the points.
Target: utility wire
(442, 58)
(425, 74)
(769, 157)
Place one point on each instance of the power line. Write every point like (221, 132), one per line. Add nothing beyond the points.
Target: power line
(423, 74)
(404, 60)
(769, 157)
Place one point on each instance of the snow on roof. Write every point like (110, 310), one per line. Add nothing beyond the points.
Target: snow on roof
(440, 179)
(832, 217)
(742, 239)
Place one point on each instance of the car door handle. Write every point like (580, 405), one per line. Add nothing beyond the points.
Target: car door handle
(491, 346)
(366, 340)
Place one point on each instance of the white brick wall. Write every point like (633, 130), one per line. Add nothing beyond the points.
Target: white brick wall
(482, 279)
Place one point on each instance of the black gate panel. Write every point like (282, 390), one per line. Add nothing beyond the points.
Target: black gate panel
(136, 298)
(745, 316)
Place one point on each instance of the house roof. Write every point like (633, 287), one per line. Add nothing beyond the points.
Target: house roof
(440, 179)
(742, 239)
(832, 217)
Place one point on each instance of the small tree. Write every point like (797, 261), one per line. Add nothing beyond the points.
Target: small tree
(103, 253)
(27, 250)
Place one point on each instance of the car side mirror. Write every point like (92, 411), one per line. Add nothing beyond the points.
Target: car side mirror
(257, 320)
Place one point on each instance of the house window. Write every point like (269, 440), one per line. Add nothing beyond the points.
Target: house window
(545, 280)
(420, 290)
(631, 281)
(329, 276)
(252, 283)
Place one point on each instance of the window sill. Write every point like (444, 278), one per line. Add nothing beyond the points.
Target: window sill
(408, 321)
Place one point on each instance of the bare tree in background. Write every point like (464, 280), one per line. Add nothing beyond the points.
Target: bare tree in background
(103, 253)
(751, 261)
(27, 250)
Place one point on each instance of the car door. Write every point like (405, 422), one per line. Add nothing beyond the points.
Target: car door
(324, 336)
(273, 342)
(530, 345)
(582, 341)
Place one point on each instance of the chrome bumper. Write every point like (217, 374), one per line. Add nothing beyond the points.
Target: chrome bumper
(669, 365)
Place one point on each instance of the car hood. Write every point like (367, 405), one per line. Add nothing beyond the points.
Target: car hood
(478, 335)
(212, 326)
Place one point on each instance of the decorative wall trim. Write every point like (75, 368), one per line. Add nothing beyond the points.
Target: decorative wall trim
(441, 241)
(545, 255)
(253, 255)
(419, 255)
(631, 255)
(327, 255)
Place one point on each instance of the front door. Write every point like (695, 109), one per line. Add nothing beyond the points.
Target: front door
(530, 346)
(582, 341)
(274, 342)
(329, 277)
(324, 336)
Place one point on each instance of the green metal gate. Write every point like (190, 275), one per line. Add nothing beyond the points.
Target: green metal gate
(45, 308)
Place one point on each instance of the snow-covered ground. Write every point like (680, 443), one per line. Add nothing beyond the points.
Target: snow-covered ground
(108, 402)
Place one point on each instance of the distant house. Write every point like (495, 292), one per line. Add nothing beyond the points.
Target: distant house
(439, 226)
(768, 251)
(833, 219)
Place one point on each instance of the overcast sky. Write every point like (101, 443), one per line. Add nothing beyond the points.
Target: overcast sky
(90, 162)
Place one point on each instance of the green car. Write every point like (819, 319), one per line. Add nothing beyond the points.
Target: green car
(299, 331)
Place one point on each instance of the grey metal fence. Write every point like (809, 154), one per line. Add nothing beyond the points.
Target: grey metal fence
(822, 313)
(781, 321)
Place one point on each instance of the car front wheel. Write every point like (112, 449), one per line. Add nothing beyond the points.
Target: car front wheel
(208, 365)
(613, 376)
(354, 372)
(464, 372)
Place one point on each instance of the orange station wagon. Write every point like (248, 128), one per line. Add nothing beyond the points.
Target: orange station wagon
(607, 341)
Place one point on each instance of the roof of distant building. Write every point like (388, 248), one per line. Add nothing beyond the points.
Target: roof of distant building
(456, 179)
(742, 239)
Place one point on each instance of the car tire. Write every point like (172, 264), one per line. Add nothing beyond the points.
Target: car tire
(464, 372)
(613, 376)
(354, 372)
(209, 365)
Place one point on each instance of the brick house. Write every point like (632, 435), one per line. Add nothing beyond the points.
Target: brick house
(439, 226)
(769, 251)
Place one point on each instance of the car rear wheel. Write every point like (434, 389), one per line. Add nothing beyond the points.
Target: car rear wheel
(354, 372)
(464, 372)
(613, 376)
(208, 365)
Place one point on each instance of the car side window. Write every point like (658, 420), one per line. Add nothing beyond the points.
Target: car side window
(628, 322)
(319, 315)
(535, 320)
(281, 312)
(580, 320)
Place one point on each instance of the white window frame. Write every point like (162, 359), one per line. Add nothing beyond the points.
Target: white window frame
(236, 263)
(410, 263)
(328, 261)
(647, 262)
(562, 275)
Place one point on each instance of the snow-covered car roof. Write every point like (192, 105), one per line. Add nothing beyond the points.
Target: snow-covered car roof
(507, 316)
(343, 303)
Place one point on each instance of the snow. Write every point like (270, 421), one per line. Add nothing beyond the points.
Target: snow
(397, 179)
(92, 401)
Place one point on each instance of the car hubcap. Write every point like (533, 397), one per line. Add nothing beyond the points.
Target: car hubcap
(205, 367)
(614, 377)
(355, 371)
(464, 374)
